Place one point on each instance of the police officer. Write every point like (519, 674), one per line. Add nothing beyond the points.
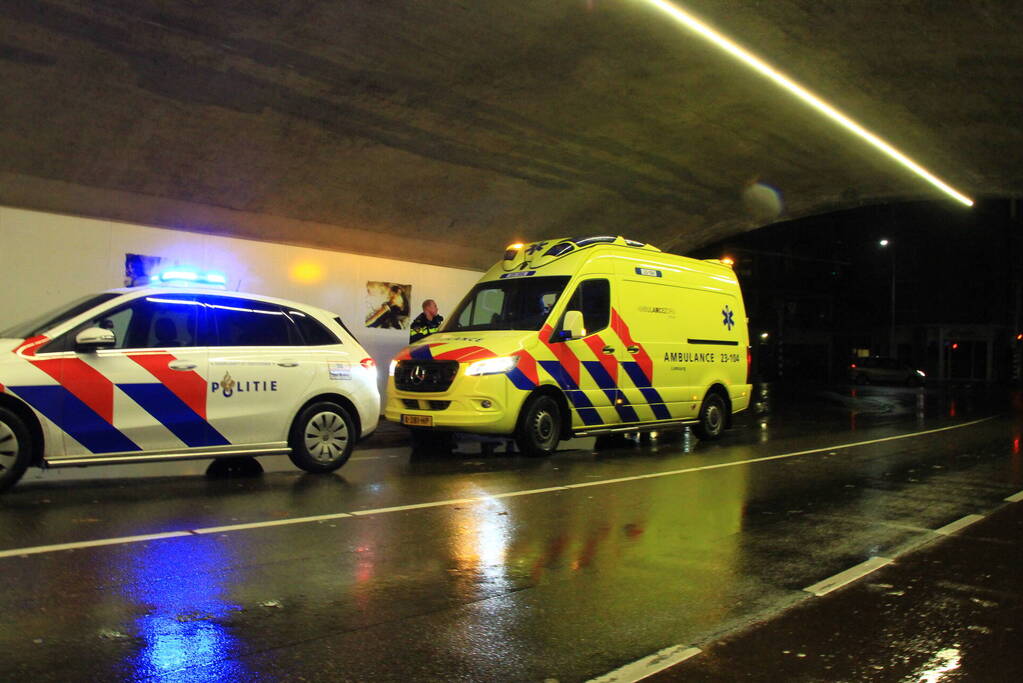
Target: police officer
(426, 323)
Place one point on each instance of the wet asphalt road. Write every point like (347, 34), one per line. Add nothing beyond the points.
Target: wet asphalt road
(504, 568)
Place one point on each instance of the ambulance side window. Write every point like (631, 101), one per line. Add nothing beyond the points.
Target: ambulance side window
(593, 299)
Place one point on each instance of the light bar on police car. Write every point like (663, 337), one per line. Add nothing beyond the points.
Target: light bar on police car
(182, 276)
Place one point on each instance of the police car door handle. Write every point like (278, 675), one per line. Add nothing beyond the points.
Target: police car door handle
(182, 365)
(608, 349)
(287, 363)
(632, 349)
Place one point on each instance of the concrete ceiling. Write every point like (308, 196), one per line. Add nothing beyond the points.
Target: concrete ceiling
(440, 130)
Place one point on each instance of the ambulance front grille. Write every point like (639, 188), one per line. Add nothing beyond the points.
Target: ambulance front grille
(416, 404)
(425, 375)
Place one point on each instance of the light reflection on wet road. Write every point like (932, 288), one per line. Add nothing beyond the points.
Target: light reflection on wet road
(567, 583)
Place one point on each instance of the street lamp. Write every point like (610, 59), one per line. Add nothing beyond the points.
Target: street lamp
(885, 244)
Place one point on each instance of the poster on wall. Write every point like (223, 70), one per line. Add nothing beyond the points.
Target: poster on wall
(139, 268)
(387, 305)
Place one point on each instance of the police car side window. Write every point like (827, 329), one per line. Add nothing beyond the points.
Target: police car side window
(246, 322)
(146, 323)
(160, 322)
(313, 331)
(593, 299)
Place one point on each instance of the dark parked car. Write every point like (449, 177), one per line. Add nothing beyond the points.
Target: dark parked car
(884, 370)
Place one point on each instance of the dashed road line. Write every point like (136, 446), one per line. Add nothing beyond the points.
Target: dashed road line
(958, 525)
(848, 576)
(648, 666)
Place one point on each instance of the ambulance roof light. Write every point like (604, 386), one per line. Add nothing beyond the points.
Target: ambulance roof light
(727, 260)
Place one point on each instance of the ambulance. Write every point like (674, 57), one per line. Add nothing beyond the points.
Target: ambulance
(581, 337)
(179, 372)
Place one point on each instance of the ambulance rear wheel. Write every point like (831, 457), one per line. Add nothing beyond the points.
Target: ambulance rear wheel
(15, 448)
(322, 438)
(712, 418)
(539, 428)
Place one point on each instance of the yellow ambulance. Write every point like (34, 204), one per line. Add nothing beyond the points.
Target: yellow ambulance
(581, 337)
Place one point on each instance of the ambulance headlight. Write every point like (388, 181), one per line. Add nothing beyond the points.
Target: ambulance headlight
(390, 370)
(492, 366)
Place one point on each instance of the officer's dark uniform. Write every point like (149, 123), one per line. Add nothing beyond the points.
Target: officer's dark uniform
(421, 327)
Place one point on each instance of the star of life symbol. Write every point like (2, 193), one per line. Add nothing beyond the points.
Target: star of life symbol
(533, 248)
(729, 320)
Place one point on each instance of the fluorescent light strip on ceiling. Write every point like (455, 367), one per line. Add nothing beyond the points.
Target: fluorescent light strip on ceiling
(694, 24)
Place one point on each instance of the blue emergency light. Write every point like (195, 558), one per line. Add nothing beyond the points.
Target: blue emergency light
(184, 277)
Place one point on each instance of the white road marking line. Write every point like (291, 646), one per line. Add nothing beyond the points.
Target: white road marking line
(958, 524)
(461, 501)
(415, 506)
(92, 544)
(648, 666)
(1015, 498)
(512, 494)
(848, 576)
(272, 522)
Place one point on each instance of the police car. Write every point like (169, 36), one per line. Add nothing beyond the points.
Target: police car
(164, 373)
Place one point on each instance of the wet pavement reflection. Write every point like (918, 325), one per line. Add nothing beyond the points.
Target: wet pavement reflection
(478, 564)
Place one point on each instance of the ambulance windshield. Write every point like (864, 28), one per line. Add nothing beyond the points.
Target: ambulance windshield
(521, 303)
(51, 319)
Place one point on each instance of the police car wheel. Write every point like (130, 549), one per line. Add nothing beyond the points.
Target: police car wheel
(15, 448)
(322, 438)
(712, 418)
(540, 427)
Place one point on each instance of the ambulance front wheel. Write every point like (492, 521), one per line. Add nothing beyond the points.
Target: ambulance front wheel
(539, 428)
(322, 438)
(712, 418)
(15, 448)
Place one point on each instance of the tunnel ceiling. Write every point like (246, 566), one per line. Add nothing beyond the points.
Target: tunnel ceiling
(440, 130)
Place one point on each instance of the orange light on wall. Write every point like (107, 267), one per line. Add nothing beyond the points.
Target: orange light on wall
(306, 272)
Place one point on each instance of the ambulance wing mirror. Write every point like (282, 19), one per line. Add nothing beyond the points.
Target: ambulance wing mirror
(93, 339)
(572, 327)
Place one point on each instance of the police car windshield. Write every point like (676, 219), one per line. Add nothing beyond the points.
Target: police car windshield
(517, 303)
(51, 319)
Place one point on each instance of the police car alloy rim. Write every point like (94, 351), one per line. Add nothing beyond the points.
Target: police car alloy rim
(326, 436)
(8, 447)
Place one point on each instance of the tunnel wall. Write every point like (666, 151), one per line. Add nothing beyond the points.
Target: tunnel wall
(47, 259)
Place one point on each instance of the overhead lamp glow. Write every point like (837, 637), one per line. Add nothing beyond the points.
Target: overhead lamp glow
(765, 69)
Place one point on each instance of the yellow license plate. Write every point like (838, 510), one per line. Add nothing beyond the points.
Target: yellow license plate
(417, 420)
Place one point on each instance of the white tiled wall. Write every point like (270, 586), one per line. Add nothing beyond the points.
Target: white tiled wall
(47, 259)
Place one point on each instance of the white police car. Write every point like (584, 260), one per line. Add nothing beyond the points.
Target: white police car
(138, 375)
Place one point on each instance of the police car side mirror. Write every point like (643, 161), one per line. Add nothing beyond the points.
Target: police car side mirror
(93, 339)
(572, 327)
